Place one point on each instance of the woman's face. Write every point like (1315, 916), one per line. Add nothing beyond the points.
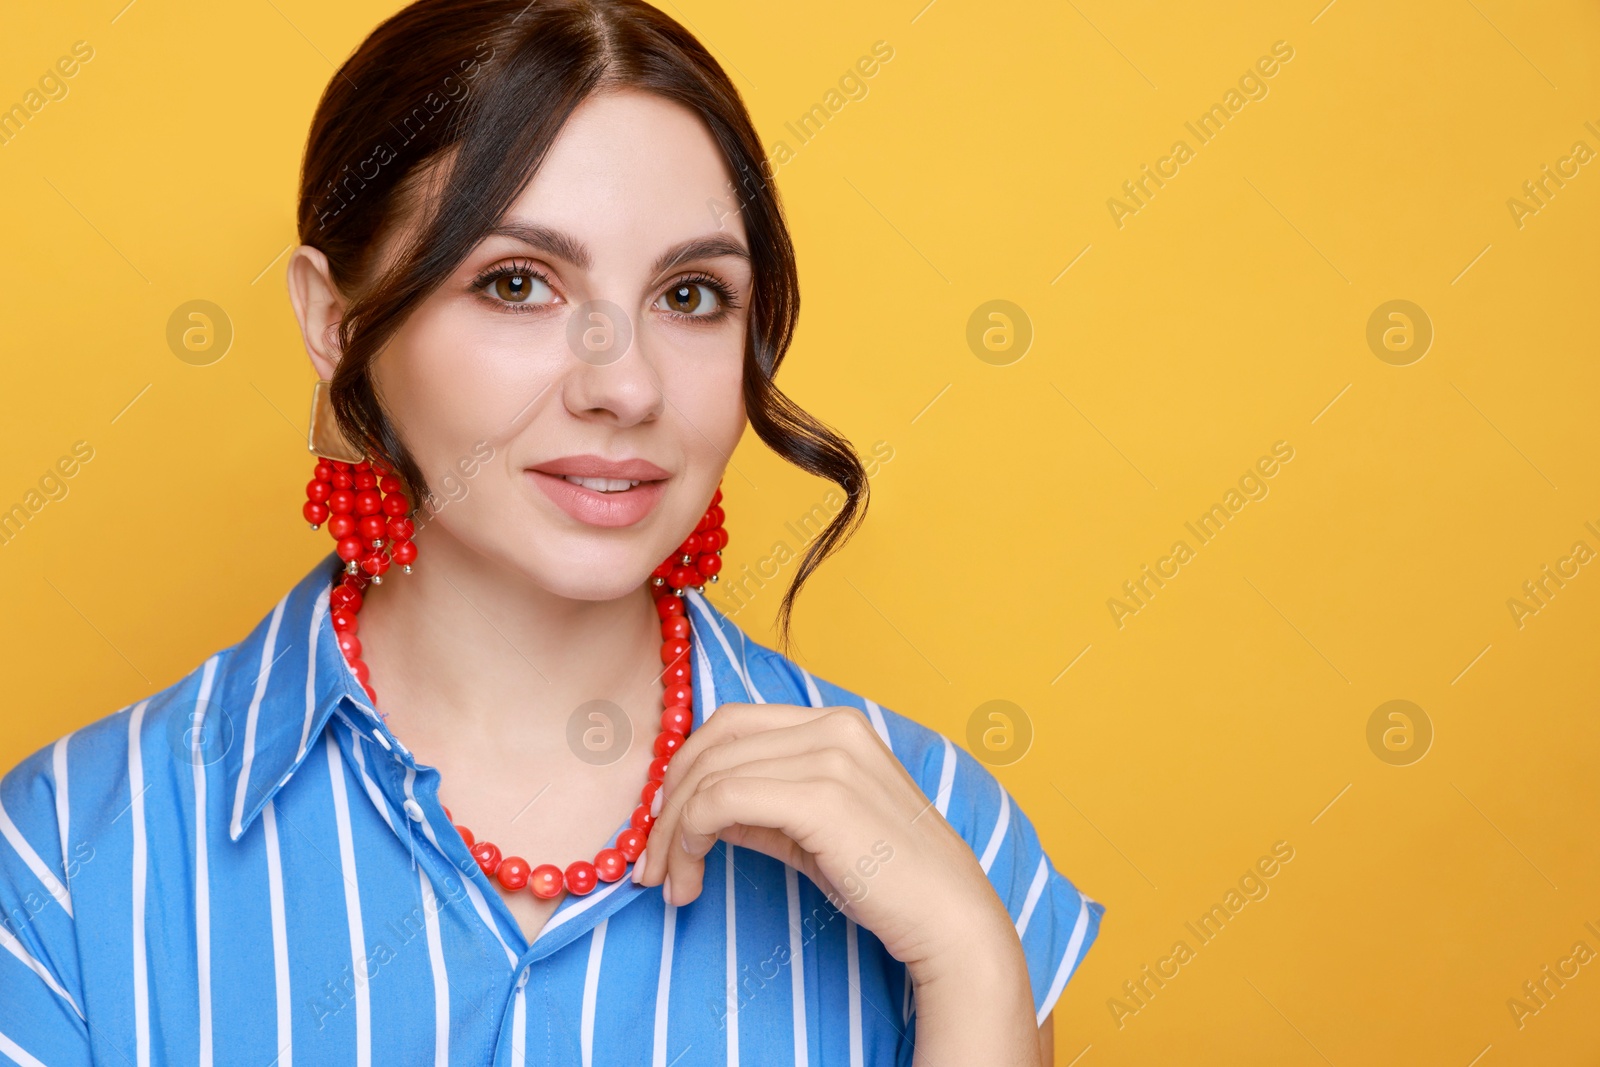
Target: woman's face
(597, 334)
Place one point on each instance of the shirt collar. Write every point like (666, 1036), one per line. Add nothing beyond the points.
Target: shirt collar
(283, 682)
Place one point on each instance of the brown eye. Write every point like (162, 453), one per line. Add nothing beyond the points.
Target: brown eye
(690, 298)
(518, 288)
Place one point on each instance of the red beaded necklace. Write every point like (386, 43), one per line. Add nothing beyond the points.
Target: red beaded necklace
(366, 499)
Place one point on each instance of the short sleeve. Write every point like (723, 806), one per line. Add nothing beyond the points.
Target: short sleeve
(40, 1007)
(1055, 921)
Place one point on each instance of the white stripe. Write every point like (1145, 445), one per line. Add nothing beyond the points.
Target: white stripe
(519, 1024)
(317, 612)
(852, 963)
(352, 901)
(441, 979)
(367, 784)
(141, 966)
(58, 764)
(1035, 890)
(47, 878)
(797, 959)
(588, 901)
(479, 904)
(876, 715)
(731, 939)
(669, 930)
(249, 751)
(1069, 959)
(12, 945)
(813, 694)
(15, 1051)
(722, 639)
(280, 934)
(202, 870)
(905, 997)
(947, 775)
(591, 986)
(996, 836)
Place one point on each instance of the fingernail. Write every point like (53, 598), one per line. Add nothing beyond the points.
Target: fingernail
(638, 866)
(666, 888)
(655, 804)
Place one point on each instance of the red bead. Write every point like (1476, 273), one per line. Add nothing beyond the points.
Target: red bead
(380, 470)
(664, 568)
(350, 645)
(716, 498)
(677, 672)
(673, 649)
(447, 814)
(368, 502)
(341, 526)
(366, 480)
(345, 621)
(630, 843)
(680, 694)
(677, 718)
(350, 548)
(581, 877)
(487, 855)
(341, 502)
(658, 768)
(466, 835)
(323, 471)
(668, 742)
(375, 562)
(372, 697)
(403, 552)
(690, 546)
(682, 578)
(675, 626)
(360, 670)
(647, 795)
(401, 529)
(342, 479)
(370, 527)
(610, 864)
(667, 604)
(345, 596)
(722, 539)
(641, 819)
(513, 872)
(389, 483)
(396, 505)
(704, 523)
(545, 881)
(708, 564)
(316, 514)
(719, 513)
(318, 490)
(364, 465)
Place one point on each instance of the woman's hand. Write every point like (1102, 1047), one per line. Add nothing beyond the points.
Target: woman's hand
(817, 789)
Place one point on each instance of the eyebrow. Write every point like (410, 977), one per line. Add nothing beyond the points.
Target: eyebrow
(564, 246)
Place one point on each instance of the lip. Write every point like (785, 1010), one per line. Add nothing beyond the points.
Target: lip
(591, 466)
(595, 508)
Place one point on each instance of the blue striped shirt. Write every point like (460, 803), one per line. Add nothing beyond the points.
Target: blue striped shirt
(249, 868)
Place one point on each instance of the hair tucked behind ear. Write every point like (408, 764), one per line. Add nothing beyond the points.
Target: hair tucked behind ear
(479, 90)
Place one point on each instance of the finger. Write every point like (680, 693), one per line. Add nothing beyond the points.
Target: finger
(787, 806)
(816, 729)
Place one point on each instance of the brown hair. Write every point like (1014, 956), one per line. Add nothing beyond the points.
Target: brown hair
(492, 83)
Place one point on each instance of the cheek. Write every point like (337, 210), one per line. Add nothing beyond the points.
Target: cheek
(706, 388)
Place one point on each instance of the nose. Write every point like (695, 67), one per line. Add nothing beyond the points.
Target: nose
(610, 374)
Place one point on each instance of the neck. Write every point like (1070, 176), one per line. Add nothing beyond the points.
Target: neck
(465, 649)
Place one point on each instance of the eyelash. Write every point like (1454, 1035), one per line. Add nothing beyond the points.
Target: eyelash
(726, 299)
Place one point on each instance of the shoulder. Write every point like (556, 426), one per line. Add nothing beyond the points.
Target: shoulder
(1054, 920)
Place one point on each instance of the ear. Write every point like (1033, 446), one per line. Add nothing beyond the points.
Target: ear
(318, 305)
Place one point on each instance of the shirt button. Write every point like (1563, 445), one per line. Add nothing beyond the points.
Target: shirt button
(413, 810)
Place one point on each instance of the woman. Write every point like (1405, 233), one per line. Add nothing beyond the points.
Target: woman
(543, 270)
